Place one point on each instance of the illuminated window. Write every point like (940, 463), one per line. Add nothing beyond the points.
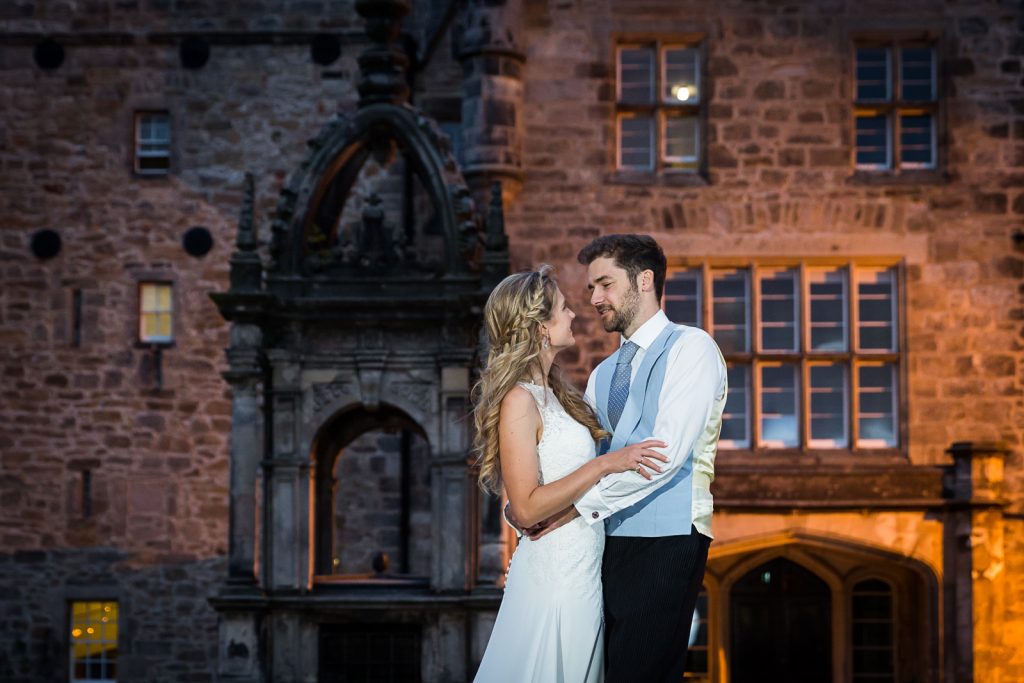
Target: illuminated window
(659, 99)
(155, 313)
(152, 143)
(812, 350)
(895, 106)
(93, 641)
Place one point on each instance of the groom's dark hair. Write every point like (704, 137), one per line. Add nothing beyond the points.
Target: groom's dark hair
(632, 253)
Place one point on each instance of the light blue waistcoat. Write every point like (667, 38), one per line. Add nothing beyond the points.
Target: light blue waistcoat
(669, 510)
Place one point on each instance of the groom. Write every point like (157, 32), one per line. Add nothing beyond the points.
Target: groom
(666, 382)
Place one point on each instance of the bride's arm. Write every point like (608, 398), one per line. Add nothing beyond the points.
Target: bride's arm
(519, 425)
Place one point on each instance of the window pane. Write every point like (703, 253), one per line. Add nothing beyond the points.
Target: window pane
(779, 310)
(872, 634)
(697, 652)
(828, 405)
(636, 75)
(873, 74)
(917, 141)
(152, 143)
(730, 314)
(148, 297)
(93, 641)
(779, 424)
(155, 312)
(876, 309)
(681, 141)
(636, 142)
(917, 73)
(736, 416)
(828, 309)
(683, 297)
(681, 76)
(873, 141)
(876, 405)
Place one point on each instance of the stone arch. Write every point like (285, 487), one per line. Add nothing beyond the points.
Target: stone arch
(840, 563)
(338, 153)
(332, 438)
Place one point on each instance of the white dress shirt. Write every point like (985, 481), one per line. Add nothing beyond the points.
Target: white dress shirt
(689, 419)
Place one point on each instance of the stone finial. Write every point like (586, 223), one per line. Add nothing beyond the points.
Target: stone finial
(383, 65)
(246, 267)
(246, 240)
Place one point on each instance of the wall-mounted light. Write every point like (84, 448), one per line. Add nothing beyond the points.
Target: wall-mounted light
(683, 92)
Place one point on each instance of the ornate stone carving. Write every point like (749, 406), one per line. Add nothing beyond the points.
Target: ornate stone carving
(326, 394)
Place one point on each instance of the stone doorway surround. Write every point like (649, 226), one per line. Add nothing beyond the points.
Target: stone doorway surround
(339, 328)
(840, 563)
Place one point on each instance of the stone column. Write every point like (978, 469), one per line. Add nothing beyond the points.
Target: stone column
(246, 442)
(454, 538)
(974, 571)
(492, 118)
(286, 484)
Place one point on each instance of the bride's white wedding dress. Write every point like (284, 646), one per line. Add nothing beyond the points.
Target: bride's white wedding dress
(550, 627)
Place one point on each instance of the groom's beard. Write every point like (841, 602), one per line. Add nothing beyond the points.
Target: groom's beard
(623, 316)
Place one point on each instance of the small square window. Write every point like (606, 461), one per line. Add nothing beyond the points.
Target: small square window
(895, 107)
(658, 107)
(152, 143)
(156, 313)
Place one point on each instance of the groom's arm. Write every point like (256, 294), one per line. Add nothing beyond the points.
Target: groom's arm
(694, 380)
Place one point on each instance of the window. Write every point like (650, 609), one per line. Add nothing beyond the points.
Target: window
(812, 350)
(895, 107)
(658, 97)
(873, 656)
(155, 313)
(152, 143)
(697, 653)
(93, 641)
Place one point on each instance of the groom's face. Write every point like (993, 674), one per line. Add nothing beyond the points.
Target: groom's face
(613, 294)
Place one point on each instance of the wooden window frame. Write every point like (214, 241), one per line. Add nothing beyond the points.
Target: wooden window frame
(894, 107)
(851, 358)
(662, 108)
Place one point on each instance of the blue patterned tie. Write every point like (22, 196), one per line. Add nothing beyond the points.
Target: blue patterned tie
(620, 382)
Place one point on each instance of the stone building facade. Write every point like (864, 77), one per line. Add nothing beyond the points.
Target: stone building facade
(869, 490)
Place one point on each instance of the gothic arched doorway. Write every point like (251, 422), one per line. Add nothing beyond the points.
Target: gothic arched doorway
(372, 497)
(781, 625)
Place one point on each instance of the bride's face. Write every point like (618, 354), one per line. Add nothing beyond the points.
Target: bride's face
(559, 326)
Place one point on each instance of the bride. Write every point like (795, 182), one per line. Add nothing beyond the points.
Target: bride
(536, 436)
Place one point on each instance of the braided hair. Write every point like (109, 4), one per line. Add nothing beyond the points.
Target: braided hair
(513, 315)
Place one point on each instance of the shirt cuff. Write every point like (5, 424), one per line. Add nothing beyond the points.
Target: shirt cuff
(592, 507)
(504, 515)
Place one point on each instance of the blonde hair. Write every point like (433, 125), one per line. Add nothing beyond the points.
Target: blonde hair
(513, 315)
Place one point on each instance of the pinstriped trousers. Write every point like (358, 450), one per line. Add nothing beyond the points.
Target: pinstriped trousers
(650, 591)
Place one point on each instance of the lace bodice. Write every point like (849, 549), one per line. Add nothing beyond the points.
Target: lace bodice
(570, 555)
